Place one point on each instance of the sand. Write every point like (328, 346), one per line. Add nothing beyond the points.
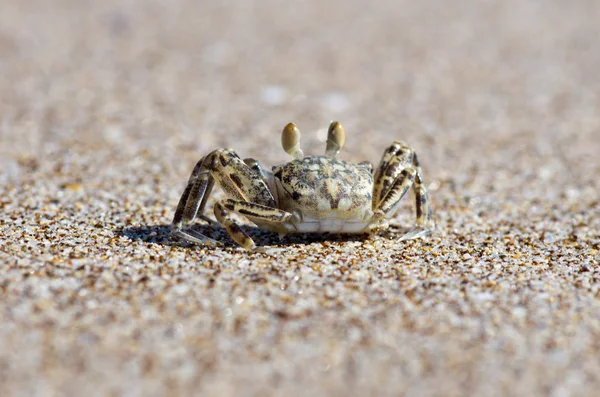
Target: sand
(106, 106)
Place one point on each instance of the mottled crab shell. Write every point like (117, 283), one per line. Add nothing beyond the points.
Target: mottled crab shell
(323, 187)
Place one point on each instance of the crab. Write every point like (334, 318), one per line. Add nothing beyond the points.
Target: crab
(309, 194)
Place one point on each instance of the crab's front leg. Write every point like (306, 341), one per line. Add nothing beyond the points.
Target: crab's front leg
(257, 212)
(239, 179)
(422, 204)
(398, 171)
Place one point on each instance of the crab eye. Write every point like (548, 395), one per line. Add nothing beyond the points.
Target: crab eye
(290, 140)
(277, 171)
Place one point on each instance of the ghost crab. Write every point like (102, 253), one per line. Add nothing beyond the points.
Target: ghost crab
(311, 194)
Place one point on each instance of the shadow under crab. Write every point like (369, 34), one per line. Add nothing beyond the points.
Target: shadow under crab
(162, 235)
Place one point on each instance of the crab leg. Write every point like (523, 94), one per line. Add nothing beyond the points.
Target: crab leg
(192, 201)
(194, 197)
(257, 211)
(235, 176)
(253, 211)
(423, 209)
(395, 158)
(391, 201)
(398, 171)
(233, 229)
(400, 186)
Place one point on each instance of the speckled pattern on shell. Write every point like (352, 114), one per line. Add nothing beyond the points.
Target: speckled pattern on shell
(321, 187)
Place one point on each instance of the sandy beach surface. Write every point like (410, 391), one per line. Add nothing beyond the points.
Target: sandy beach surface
(105, 107)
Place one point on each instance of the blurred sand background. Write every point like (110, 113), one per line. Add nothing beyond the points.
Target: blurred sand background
(105, 106)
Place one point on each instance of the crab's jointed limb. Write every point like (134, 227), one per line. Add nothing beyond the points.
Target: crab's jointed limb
(398, 170)
(241, 179)
(250, 210)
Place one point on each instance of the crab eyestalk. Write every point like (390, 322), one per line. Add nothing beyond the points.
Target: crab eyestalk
(290, 140)
(335, 139)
